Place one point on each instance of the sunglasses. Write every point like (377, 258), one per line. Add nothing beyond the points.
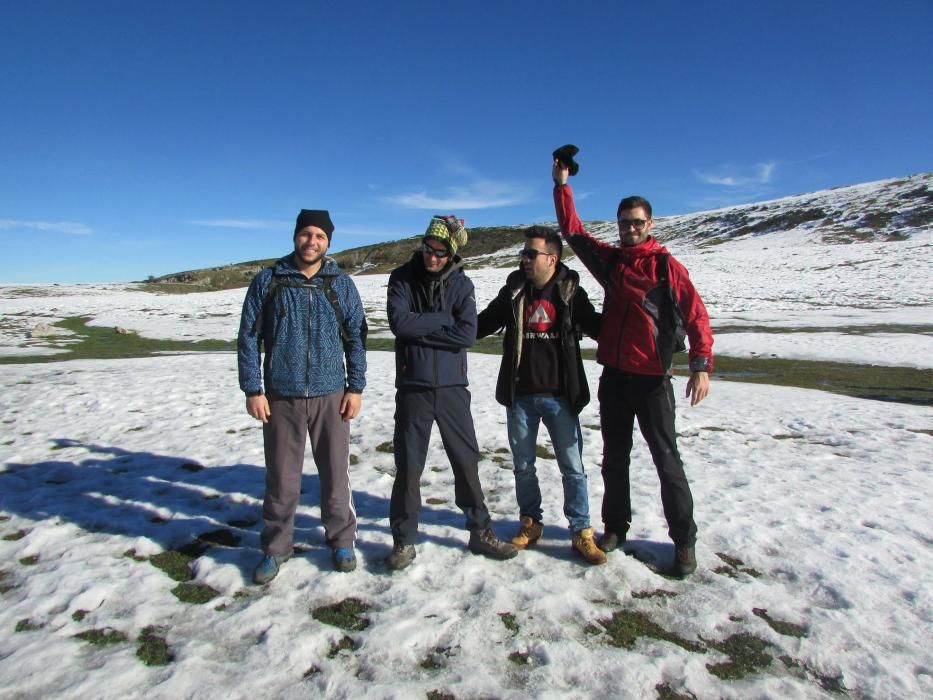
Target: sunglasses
(634, 223)
(439, 253)
(531, 253)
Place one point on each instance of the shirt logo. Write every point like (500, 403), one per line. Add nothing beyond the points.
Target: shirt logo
(540, 316)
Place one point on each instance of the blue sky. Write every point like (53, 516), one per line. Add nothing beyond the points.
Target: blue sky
(142, 138)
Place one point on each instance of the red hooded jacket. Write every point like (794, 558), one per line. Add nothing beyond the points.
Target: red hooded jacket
(627, 274)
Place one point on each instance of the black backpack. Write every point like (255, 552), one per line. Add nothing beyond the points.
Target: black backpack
(661, 304)
(327, 286)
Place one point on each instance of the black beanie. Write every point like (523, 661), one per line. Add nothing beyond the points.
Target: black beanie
(315, 217)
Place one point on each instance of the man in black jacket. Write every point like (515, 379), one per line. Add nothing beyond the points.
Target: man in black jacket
(432, 313)
(545, 311)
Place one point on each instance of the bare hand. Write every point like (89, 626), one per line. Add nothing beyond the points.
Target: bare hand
(350, 406)
(559, 173)
(258, 408)
(697, 387)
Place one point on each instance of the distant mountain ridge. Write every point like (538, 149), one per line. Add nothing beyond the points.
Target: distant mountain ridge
(886, 210)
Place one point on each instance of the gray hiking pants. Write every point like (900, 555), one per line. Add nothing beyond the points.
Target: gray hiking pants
(284, 437)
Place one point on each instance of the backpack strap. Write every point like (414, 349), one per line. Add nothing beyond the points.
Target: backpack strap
(330, 293)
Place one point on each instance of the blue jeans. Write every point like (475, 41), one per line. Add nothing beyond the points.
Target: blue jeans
(563, 426)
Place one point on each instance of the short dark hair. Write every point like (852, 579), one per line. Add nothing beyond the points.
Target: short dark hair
(634, 202)
(551, 238)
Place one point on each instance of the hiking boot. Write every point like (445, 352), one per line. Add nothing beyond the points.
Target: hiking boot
(344, 559)
(528, 533)
(268, 568)
(609, 541)
(585, 545)
(402, 555)
(486, 543)
(685, 559)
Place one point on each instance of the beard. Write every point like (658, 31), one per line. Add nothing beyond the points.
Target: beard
(308, 256)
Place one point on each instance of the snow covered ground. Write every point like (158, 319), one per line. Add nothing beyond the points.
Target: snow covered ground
(811, 506)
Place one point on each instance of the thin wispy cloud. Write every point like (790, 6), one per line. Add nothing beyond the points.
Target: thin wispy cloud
(738, 176)
(251, 224)
(473, 192)
(478, 195)
(71, 228)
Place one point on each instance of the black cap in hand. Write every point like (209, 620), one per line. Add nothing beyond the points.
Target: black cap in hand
(565, 155)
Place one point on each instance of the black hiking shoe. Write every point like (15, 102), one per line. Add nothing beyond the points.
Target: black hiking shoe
(402, 555)
(486, 543)
(610, 541)
(685, 560)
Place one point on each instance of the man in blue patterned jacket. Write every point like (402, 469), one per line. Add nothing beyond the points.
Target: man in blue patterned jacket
(292, 315)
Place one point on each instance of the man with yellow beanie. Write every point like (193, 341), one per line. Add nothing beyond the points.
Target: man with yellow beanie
(432, 313)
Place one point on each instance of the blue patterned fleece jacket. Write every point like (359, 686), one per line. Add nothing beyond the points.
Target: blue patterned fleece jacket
(299, 334)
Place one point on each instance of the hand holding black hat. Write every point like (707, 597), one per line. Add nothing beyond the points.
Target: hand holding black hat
(565, 155)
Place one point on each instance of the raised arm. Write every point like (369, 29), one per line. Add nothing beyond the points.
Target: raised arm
(598, 257)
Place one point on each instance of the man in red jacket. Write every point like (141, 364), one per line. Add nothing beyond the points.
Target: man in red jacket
(635, 348)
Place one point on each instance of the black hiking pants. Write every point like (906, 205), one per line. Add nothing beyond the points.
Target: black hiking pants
(416, 411)
(622, 398)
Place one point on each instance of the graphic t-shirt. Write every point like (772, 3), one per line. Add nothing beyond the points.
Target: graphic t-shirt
(539, 367)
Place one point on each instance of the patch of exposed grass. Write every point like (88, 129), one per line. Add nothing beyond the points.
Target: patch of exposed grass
(5, 584)
(431, 663)
(665, 692)
(508, 619)
(734, 566)
(435, 501)
(14, 536)
(26, 625)
(788, 629)
(386, 447)
(30, 561)
(4, 518)
(79, 615)
(520, 658)
(174, 564)
(544, 453)
(354, 460)
(94, 342)
(626, 626)
(131, 554)
(440, 695)
(152, 648)
(102, 637)
(345, 644)
(195, 593)
(221, 537)
(900, 384)
(346, 614)
(659, 593)
(746, 656)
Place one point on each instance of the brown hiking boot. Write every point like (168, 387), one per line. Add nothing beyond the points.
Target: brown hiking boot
(528, 533)
(486, 543)
(585, 545)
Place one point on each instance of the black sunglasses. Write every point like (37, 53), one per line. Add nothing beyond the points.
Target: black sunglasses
(439, 253)
(636, 223)
(531, 253)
